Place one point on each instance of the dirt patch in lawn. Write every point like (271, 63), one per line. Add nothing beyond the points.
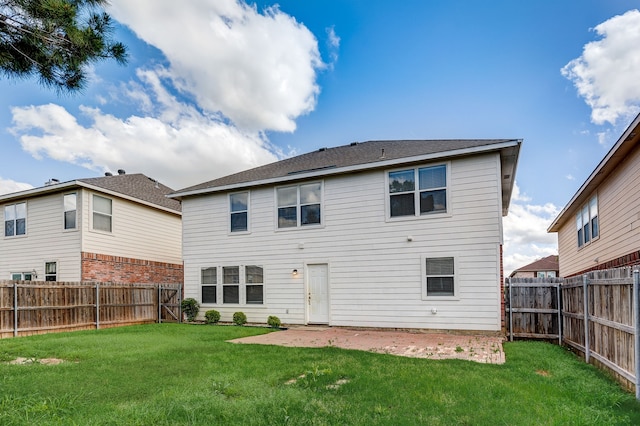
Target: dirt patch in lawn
(415, 344)
(43, 361)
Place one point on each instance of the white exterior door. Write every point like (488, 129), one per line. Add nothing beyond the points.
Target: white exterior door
(318, 293)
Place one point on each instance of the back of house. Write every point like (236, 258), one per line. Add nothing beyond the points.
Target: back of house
(399, 234)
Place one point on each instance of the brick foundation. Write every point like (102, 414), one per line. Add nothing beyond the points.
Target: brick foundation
(106, 268)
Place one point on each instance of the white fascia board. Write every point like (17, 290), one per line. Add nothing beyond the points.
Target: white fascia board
(350, 169)
(74, 184)
(28, 193)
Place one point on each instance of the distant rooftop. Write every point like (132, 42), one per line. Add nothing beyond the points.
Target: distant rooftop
(549, 263)
(135, 186)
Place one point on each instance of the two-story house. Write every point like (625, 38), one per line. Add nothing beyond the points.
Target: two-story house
(404, 234)
(118, 228)
(600, 226)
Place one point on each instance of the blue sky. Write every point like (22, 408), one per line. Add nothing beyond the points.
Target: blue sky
(213, 87)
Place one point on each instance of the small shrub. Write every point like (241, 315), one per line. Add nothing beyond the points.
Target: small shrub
(274, 321)
(239, 318)
(212, 316)
(190, 307)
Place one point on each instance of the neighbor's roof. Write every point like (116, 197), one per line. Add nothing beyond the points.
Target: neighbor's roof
(360, 156)
(627, 142)
(134, 187)
(549, 263)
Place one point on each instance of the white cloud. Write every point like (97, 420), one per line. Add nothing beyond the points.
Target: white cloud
(606, 74)
(8, 186)
(176, 144)
(333, 43)
(243, 72)
(258, 69)
(525, 232)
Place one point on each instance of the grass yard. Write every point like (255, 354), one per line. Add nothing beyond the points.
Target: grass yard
(173, 374)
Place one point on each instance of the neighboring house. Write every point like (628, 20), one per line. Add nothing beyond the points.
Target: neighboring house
(403, 234)
(600, 226)
(115, 228)
(547, 267)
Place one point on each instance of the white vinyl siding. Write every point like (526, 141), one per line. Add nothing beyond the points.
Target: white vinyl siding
(46, 240)
(138, 232)
(375, 270)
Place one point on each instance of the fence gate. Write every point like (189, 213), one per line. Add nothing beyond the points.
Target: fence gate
(532, 306)
(169, 297)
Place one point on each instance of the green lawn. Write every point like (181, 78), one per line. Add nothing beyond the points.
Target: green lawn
(171, 374)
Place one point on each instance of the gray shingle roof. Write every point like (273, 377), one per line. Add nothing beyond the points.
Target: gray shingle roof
(355, 154)
(137, 186)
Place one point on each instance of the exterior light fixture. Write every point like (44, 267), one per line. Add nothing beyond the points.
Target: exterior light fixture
(294, 272)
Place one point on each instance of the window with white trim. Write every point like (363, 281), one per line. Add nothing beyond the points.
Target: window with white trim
(230, 284)
(51, 271)
(254, 280)
(15, 219)
(417, 192)
(240, 285)
(209, 281)
(22, 276)
(299, 205)
(239, 212)
(70, 212)
(102, 214)
(440, 276)
(587, 224)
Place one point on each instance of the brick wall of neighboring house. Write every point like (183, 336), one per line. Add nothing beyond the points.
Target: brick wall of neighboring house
(106, 268)
(631, 259)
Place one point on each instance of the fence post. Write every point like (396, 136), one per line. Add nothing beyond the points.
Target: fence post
(559, 302)
(636, 326)
(97, 306)
(585, 286)
(15, 309)
(510, 311)
(159, 303)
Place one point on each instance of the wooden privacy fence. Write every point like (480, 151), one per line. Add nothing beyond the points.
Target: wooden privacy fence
(28, 307)
(596, 314)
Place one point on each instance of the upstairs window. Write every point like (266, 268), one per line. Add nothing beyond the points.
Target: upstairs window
(15, 219)
(102, 214)
(299, 205)
(239, 208)
(70, 211)
(587, 225)
(416, 192)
